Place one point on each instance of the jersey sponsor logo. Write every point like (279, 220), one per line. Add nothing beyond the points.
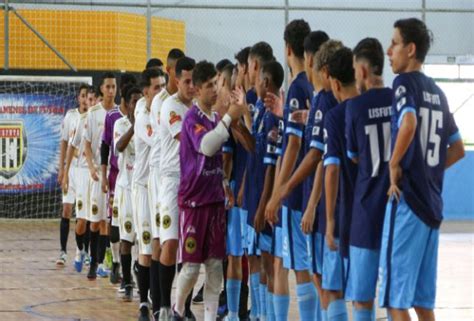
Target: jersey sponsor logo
(198, 128)
(316, 130)
(13, 147)
(294, 104)
(174, 118)
(166, 221)
(149, 130)
(190, 245)
(318, 117)
(401, 90)
(271, 149)
(128, 226)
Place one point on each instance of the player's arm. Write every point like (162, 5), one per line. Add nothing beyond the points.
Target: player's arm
(259, 222)
(243, 136)
(90, 162)
(227, 164)
(69, 156)
(104, 162)
(63, 149)
(125, 139)
(310, 211)
(351, 137)
(455, 153)
(331, 185)
(240, 194)
(405, 135)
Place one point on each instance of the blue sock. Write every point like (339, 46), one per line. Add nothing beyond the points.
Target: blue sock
(254, 294)
(318, 312)
(306, 294)
(233, 297)
(362, 314)
(263, 300)
(281, 304)
(337, 311)
(324, 314)
(270, 308)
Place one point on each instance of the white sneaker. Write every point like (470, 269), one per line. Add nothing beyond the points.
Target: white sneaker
(61, 261)
(87, 259)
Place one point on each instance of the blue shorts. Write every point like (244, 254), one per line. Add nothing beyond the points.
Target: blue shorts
(296, 245)
(277, 243)
(252, 241)
(234, 232)
(362, 274)
(264, 243)
(243, 225)
(333, 269)
(317, 248)
(408, 259)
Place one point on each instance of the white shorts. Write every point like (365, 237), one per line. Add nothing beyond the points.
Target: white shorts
(119, 190)
(154, 198)
(70, 196)
(126, 221)
(169, 209)
(82, 192)
(98, 202)
(141, 213)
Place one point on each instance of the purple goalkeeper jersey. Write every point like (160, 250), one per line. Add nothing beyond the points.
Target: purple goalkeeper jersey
(201, 176)
(108, 136)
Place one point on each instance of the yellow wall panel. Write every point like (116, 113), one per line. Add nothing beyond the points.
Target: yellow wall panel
(89, 40)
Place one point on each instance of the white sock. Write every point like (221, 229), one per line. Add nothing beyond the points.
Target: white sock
(115, 247)
(210, 310)
(186, 280)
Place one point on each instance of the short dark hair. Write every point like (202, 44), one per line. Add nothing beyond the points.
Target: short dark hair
(154, 62)
(185, 63)
(340, 66)
(314, 40)
(106, 75)
(148, 75)
(262, 51)
(295, 33)
(127, 79)
(226, 72)
(82, 87)
(276, 72)
(129, 91)
(222, 63)
(174, 54)
(414, 30)
(203, 71)
(370, 50)
(242, 56)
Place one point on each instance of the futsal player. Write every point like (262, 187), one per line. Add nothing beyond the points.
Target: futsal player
(426, 142)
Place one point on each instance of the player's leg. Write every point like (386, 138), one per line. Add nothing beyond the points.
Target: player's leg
(254, 271)
(127, 239)
(98, 216)
(81, 182)
(267, 269)
(95, 222)
(142, 218)
(212, 287)
(169, 240)
(281, 298)
(68, 202)
(317, 259)
(266, 277)
(114, 228)
(234, 266)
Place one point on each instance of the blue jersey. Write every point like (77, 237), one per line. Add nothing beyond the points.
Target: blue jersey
(334, 126)
(368, 139)
(265, 155)
(252, 159)
(424, 162)
(325, 102)
(299, 97)
(239, 162)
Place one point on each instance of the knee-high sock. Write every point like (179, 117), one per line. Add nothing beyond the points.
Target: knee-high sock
(103, 240)
(254, 293)
(126, 260)
(270, 308)
(80, 241)
(87, 236)
(94, 238)
(186, 280)
(167, 273)
(64, 233)
(155, 285)
(337, 311)
(263, 300)
(306, 294)
(233, 296)
(213, 283)
(281, 304)
(143, 282)
(362, 314)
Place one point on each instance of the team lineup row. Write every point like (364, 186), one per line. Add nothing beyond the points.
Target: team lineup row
(339, 181)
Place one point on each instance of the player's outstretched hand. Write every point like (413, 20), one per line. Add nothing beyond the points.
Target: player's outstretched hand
(330, 241)
(259, 221)
(300, 116)
(229, 195)
(238, 96)
(235, 111)
(308, 220)
(274, 103)
(60, 175)
(94, 174)
(105, 187)
(395, 177)
(271, 210)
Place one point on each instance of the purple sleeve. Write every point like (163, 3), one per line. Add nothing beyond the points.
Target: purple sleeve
(107, 136)
(195, 131)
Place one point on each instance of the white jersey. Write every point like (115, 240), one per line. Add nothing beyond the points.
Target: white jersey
(155, 109)
(94, 130)
(141, 105)
(125, 158)
(171, 121)
(143, 140)
(79, 143)
(68, 128)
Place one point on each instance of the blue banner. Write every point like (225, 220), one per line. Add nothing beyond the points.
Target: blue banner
(30, 126)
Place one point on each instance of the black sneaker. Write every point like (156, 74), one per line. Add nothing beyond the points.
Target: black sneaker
(115, 273)
(189, 316)
(144, 313)
(175, 316)
(128, 294)
(199, 297)
(92, 275)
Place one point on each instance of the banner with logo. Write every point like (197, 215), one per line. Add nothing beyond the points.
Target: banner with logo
(31, 114)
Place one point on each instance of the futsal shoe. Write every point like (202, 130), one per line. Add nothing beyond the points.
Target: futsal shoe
(61, 261)
(78, 261)
(102, 272)
(115, 273)
(165, 314)
(121, 289)
(92, 275)
(128, 294)
(87, 259)
(176, 317)
(199, 298)
(144, 313)
(189, 316)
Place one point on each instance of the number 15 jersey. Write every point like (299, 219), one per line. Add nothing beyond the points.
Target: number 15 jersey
(424, 162)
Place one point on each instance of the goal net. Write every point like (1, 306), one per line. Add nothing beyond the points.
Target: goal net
(31, 112)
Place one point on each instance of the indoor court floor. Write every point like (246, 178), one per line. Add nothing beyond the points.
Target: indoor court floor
(33, 288)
